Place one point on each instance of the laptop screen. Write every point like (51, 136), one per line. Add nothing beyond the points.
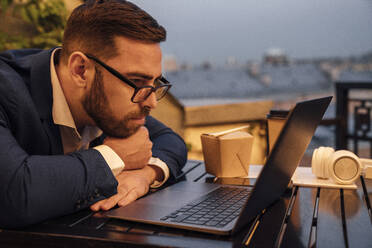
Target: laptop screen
(285, 156)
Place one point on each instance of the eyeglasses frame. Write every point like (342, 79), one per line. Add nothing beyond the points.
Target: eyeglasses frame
(130, 83)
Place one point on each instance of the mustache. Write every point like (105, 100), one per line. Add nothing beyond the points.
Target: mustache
(144, 111)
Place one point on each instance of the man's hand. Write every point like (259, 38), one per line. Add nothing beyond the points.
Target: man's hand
(132, 185)
(135, 150)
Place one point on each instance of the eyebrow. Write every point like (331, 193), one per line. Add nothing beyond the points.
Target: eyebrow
(141, 75)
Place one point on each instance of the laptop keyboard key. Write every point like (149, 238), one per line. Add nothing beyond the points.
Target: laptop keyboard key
(212, 223)
(179, 218)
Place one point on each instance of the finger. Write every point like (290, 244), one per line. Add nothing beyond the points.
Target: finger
(109, 203)
(131, 197)
(96, 206)
(148, 145)
(112, 201)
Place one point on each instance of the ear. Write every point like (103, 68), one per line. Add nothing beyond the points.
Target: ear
(81, 69)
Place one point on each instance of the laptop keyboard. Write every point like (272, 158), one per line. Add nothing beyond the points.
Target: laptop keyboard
(217, 208)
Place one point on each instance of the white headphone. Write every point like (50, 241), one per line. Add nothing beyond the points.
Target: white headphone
(342, 166)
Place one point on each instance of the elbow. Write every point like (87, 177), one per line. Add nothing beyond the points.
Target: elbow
(19, 212)
(15, 205)
(14, 216)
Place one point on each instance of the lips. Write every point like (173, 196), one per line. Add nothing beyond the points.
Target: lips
(140, 117)
(139, 120)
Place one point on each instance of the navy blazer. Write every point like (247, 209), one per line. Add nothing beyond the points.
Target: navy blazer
(38, 181)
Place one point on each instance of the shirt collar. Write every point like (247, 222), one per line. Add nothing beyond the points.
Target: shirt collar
(61, 112)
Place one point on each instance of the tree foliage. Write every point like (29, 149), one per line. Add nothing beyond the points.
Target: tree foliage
(43, 21)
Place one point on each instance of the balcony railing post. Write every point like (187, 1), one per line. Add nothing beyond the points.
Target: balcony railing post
(342, 94)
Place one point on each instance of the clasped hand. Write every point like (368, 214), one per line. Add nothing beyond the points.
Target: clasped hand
(135, 150)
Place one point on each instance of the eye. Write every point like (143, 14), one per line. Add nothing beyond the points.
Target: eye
(139, 82)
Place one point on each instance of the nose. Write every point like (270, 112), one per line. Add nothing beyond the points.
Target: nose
(150, 102)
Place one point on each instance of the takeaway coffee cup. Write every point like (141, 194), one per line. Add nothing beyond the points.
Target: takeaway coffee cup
(275, 123)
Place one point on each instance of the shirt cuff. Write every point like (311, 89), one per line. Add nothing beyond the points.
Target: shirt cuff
(115, 163)
(163, 166)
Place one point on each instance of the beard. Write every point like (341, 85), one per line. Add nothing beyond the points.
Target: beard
(95, 103)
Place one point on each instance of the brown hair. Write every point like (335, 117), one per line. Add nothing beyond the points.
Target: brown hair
(92, 27)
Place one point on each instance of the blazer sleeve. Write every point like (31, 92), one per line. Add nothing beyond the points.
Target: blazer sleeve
(168, 146)
(35, 188)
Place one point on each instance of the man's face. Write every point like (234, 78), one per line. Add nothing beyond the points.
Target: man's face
(108, 101)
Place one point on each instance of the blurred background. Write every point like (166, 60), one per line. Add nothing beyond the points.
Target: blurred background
(239, 31)
(231, 62)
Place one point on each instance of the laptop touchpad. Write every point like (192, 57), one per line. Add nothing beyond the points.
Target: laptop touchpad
(179, 194)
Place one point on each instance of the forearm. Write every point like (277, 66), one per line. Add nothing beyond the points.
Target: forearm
(43, 187)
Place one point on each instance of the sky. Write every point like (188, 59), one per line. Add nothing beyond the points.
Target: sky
(213, 30)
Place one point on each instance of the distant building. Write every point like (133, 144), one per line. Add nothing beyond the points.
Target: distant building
(361, 76)
(246, 83)
(254, 69)
(170, 63)
(231, 61)
(275, 56)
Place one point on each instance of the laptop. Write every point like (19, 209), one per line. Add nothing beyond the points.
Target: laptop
(221, 209)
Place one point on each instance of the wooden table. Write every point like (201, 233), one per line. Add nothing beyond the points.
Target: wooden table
(303, 217)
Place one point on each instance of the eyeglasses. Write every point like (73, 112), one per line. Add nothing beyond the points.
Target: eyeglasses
(140, 93)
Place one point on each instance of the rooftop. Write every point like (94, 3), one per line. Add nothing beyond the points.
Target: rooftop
(233, 84)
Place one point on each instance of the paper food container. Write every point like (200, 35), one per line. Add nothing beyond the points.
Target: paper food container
(227, 153)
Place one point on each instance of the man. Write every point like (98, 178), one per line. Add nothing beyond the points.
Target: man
(74, 124)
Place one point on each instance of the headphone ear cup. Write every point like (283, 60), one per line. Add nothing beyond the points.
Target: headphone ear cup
(345, 167)
(320, 161)
(316, 162)
(326, 160)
